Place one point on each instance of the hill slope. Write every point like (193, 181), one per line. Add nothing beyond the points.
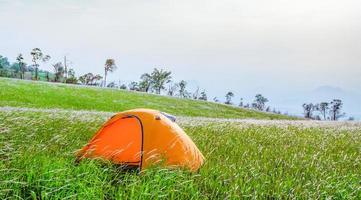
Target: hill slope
(19, 93)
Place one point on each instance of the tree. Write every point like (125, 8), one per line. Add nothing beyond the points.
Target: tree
(215, 99)
(90, 79)
(14, 70)
(172, 88)
(335, 109)
(182, 89)
(65, 69)
(203, 96)
(274, 110)
(159, 79)
(145, 83)
(71, 77)
(123, 87)
(259, 102)
(317, 117)
(196, 93)
(133, 86)
(86, 78)
(268, 109)
(58, 71)
(112, 85)
(308, 110)
(4, 62)
(254, 105)
(229, 96)
(240, 102)
(95, 79)
(71, 72)
(109, 67)
(47, 76)
(4, 66)
(37, 55)
(22, 65)
(323, 108)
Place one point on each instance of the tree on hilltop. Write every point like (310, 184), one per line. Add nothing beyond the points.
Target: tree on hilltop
(22, 65)
(203, 96)
(229, 97)
(108, 67)
(159, 79)
(172, 88)
(259, 102)
(37, 56)
(58, 71)
(145, 83)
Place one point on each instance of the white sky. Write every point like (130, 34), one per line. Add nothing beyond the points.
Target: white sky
(280, 48)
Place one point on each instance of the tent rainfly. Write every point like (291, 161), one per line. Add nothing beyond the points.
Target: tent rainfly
(140, 138)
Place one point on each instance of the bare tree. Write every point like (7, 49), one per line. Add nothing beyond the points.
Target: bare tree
(65, 69)
(196, 93)
(182, 89)
(172, 88)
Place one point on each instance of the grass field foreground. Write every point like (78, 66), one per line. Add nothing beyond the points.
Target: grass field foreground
(242, 160)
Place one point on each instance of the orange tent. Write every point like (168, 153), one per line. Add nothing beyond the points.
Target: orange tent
(143, 137)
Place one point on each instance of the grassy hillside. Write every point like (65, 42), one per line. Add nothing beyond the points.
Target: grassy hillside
(263, 159)
(46, 95)
(242, 161)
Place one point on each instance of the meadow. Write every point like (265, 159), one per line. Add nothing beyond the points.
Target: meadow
(21, 93)
(245, 158)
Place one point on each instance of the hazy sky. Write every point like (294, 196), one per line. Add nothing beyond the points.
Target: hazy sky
(281, 48)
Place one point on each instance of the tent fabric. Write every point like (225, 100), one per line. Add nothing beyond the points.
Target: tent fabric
(142, 138)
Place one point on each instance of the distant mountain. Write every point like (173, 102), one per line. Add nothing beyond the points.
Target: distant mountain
(328, 88)
(330, 92)
(351, 100)
(293, 103)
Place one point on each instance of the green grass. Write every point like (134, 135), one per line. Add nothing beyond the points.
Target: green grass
(285, 160)
(46, 95)
(243, 161)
